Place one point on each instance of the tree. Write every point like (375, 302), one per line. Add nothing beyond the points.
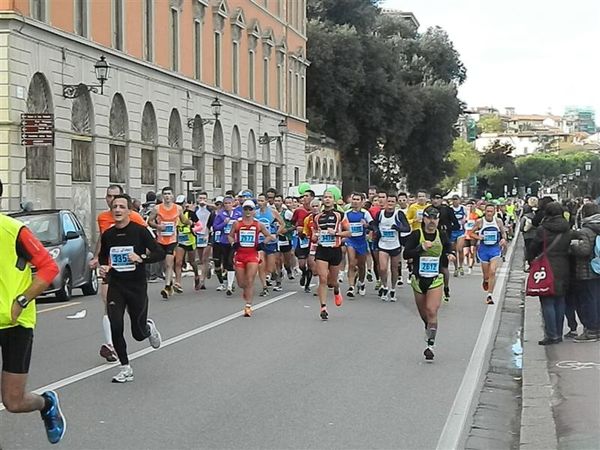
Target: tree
(496, 168)
(372, 79)
(490, 123)
(464, 160)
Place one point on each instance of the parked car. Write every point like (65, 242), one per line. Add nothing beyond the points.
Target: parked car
(61, 232)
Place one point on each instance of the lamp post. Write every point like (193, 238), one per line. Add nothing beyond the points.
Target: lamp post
(215, 108)
(515, 185)
(281, 127)
(578, 172)
(102, 69)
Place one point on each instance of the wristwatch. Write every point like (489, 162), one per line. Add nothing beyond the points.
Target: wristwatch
(22, 301)
(144, 257)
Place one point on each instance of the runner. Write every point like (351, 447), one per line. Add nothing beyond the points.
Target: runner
(124, 249)
(402, 206)
(470, 239)
(329, 227)
(105, 221)
(303, 247)
(271, 219)
(356, 245)
(222, 250)
(284, 241)
(186, 244)
(244, 236)
(308, 231)
(205, 218)
(165, 218)
(373, 247)
(457, 237)
(389, 223)
(415, 211)
(19, 287)
(447, 224)
(426, 247)
(490, 233)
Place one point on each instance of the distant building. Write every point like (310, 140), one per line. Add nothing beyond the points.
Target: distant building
(580, 119)
(323, 160)
(525, 143)
(408, 16)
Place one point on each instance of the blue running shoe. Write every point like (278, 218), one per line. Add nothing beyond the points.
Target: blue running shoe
(54, 421)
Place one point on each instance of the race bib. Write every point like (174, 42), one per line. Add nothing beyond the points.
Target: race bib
(119, 259)
(388, 234)
(228, 226)
(202, 240)
(420, 216)
(184, 239)
(326, 239)
(247, 238)
(282, 244)
(217, 236)
(490, 237)
(356, 229)
(169, 229)
(470, 225)
(429, 266)
(304, 243)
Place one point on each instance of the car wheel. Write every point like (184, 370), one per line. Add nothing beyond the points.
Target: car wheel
(91, 288)
(66, 290)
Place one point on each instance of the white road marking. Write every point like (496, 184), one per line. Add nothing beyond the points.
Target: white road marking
(54, 308)
(462, 409)
(166, 343)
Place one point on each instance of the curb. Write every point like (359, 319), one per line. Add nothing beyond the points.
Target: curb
(538, 429)
(455, 431)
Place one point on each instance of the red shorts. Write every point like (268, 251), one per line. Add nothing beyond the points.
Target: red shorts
(242, 258)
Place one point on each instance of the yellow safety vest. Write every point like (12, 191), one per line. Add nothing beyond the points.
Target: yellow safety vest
(13, 281)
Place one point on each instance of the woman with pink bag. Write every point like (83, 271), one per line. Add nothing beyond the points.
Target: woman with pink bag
(552, 238)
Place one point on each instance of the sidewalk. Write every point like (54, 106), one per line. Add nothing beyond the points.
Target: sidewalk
(561, 390)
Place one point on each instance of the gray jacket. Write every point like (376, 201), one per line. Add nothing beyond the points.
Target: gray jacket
(582, 248)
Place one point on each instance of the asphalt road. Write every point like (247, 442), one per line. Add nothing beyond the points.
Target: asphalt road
(282, 379)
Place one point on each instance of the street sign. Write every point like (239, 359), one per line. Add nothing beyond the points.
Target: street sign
(188, 174)
(37, 129)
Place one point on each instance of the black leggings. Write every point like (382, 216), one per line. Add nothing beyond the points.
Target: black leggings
(133, 295)
(223, 256)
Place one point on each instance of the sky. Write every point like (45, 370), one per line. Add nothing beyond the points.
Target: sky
(535, 55)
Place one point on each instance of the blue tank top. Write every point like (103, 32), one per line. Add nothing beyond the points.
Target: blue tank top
(357, 229)
(266, 218)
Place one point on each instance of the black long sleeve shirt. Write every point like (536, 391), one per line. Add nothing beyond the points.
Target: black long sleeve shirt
(132, 235)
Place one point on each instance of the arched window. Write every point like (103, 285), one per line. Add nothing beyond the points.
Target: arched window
(175, 140)
(198, 151)
(331, 170)
(251, 161)
(149, 133)
(279, 167)
(338, 173)
(266, 167)
(119, 135)
(39, 159)
(318, 169)
(309, 169)
(218, 163)
(236, 164)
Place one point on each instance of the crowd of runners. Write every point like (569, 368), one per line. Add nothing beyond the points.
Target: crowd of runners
(375, 240)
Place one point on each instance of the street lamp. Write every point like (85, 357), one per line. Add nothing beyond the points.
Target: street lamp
(577, 172)
(588, 166)
(215, 107)
(102, 69)
(282, 128)
(571, 177)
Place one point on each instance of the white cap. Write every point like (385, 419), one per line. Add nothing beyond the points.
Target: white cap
(249, 203)
(180, 199)
(240, 194)
(220, 198)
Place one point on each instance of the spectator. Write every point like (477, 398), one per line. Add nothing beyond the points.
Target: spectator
(527, 227)
(539, 215)
(553, 226)
(586, 291)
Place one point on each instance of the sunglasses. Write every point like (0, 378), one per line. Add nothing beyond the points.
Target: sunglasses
(248, 208)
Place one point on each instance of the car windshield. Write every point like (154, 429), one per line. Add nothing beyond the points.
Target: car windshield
(44, 226)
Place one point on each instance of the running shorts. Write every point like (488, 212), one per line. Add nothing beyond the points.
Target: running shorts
(269, 248)
(169, 248)
(187, 248)
(488, 252)
(242, 259)
(456, 235)
(16, 343)
(302, 253)
(284, 246)
(422, 285)
(332, 255)
(393, 252)
(360, 246)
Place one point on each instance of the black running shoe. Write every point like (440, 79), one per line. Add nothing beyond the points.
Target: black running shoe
(428, 354)
(350, 292)
(324, 314)
(303, 280)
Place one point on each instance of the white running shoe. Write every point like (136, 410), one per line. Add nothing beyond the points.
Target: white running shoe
(221, 287)
(125, 374)
(341, 276)
(384, 295)
(362, 290)
(154, 338)
(392, 294)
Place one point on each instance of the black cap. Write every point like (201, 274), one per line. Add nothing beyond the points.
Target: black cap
(437, 195)
(431, 212)
(455, 197)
